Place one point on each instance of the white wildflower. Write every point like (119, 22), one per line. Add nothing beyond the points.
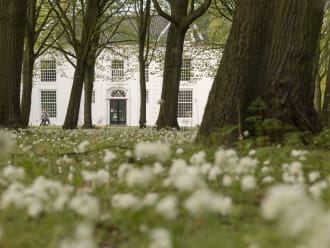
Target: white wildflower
(198, 158)
(42, 196)
(317, 188)
(214, 173)
(313, 176)
(109, 156)
(83, 238)
(85, 205)
(97, 178)
(268, 179)
(122, 171)
(205, 168)
(157, 169)
(125, 201)
(227, 180)
(185, 178)
(179, 151)
(205, 201)
(136, 177)
(150, 199)
(82, 147)
(248, 183)
(160, 238)
(156, 150)
(299, 154)
(252, 152)
(168, 207)
(292, 206)
(12, 173)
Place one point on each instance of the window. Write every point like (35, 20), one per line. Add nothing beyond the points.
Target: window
(48, 102)
(146, 72)
(93, 96)
(186, 70)
(48, 70)
(185, 104)
(117, 70)
(147, 96)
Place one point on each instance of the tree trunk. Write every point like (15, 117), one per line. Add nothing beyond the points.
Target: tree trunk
(143, 93)
(235, 82)
(143, 38)
(171, 78)
(89, 85)
(269, 54)
(72, 114)
(317, 94)
(180, 20)
(317, 79)
(326, 102)
(28, 63)
(12, 20)
(83, 53)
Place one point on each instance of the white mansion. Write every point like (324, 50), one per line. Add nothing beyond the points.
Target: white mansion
(116, 91)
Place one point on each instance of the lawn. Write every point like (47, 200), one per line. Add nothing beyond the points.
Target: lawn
(130, 188)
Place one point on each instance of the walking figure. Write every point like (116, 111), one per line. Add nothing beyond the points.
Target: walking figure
(44, 118)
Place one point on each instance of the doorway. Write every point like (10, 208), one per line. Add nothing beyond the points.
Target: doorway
(118, 112)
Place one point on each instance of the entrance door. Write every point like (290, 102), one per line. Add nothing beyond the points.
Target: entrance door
(118, 112)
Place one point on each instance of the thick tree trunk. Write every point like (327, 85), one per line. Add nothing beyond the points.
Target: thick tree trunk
(28, 63)
(12, 20)
(72, 114)
(317, 80)
(171, 78)
(89, 85)
(317, 95)
(235, 84)
(326, 102)
(269, 54)
(289, 78)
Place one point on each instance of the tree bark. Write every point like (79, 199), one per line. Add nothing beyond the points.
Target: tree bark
(180, 20)
(83, 53)
(317, 79)
(269, 54)
(28, 63)
(12, 21)
(89, 85)
(143, 93)
(171, 78)
(72, 114)
(143, 38)
(326, 102)
(317, 94)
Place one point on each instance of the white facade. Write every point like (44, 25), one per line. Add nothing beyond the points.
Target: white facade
(116, 89)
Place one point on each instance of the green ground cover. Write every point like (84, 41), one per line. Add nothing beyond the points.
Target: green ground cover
(131, 188)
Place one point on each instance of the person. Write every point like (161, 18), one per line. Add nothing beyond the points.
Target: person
(44, 118)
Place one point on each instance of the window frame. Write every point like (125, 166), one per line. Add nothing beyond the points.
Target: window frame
(50, 105)
(48, 70)
(185, 104)
(186, 69)
(117, 70)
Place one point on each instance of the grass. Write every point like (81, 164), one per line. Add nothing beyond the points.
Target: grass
(38, 151)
